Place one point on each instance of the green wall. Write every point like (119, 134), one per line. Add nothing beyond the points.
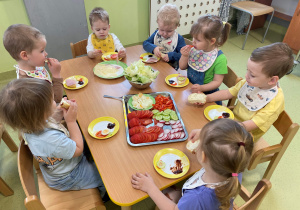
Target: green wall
(11, 12)
(129, 20)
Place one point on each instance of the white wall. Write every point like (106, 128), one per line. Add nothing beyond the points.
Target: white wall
(285, 6)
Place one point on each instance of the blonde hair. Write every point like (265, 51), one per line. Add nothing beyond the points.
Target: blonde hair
(277, 59)
(222, 142)
(169, 14)
(211, 26)
(21, 37)
(25, 104)
(98, 13)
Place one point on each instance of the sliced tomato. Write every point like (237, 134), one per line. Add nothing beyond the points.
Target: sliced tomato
(114, 56)
(134, 122)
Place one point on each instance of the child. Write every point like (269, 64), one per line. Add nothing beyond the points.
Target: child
(260, 99)
(224, 151)
(205, 63)
(26, 45)
(101, 41)
(166, 42)
(26, 105)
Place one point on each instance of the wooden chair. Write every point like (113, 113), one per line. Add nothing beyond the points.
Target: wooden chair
(263, 152)
(230, 80)
(252, 201)
(188, 42)
(79, 48)
(253, 9)
(49, 198)
(4, 188)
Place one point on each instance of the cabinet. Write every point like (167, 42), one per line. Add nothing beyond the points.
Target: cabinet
(292, 35)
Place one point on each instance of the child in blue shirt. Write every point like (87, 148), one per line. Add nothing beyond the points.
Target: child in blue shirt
(27, 105)
(224, 151)
(165, 42)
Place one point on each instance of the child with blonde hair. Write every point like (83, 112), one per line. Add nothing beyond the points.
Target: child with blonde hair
(206, 65)
(260, 98)
(27, 105)
(224, 151)
(101, 41)
(26, 45)
(166, 42)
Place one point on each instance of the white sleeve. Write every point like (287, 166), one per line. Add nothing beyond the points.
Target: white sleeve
(90, 46)
(117, 43)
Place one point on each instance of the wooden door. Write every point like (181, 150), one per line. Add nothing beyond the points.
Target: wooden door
(292, 35)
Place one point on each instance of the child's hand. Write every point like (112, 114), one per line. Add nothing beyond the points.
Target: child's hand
(122, 53)
(185, 51)
(156, 51)
(96, 53)
(196, 88)
(54, 67)
(194, 135)
(165, 57)
(142, 182)
(70, 115)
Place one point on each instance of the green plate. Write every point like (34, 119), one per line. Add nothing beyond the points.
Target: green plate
(118, 74)
(149, 107)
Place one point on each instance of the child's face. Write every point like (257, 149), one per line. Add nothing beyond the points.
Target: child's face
(255, 77)
(38, 55)
(166, 31)
(100, 29)
(200, 43)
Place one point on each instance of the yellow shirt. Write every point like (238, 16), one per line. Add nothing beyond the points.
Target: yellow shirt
(264, 117)
(105, 45)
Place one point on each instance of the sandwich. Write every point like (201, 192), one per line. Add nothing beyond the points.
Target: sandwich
(181, 79)
(71, 82)
(192, 146)
(64, 104)
(197, 98)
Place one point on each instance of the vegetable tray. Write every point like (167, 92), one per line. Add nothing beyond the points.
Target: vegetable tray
(173, 130)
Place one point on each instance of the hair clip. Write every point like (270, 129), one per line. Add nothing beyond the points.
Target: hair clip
(241, 143)
(234, 174)
(224, 23)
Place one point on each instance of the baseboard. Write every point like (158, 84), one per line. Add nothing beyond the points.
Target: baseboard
(8, 75)
(282, 16)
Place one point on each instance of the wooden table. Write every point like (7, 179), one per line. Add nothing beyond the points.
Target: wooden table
(116, 160)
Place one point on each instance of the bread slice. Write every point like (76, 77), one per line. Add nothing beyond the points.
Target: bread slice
(64, 104)
(71, 83)
(192, 146)
(181, 79)
(197, 98)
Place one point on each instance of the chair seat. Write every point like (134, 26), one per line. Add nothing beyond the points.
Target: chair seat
(260, 144)
(54, 199)
(255, 8)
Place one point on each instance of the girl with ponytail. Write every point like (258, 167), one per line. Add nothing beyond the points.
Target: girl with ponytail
(206, 65)
(224, 152)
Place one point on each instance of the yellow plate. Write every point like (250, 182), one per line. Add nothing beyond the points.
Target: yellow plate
(109, 59)
(145, 56)
(169, 156)
(100, 124)
(174, 78)
(214, 111)
(77, 77)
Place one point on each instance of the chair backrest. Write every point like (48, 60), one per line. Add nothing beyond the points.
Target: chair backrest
(254, 200)
(273, 153)
(79, 48)
(25, 167)
(230, 80)
(188, 42)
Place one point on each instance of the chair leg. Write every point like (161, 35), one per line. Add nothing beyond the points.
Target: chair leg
(249, 27)
(5, 189)
(268, 27)
(9, 142)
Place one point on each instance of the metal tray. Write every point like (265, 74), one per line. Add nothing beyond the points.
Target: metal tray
(127, 109)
